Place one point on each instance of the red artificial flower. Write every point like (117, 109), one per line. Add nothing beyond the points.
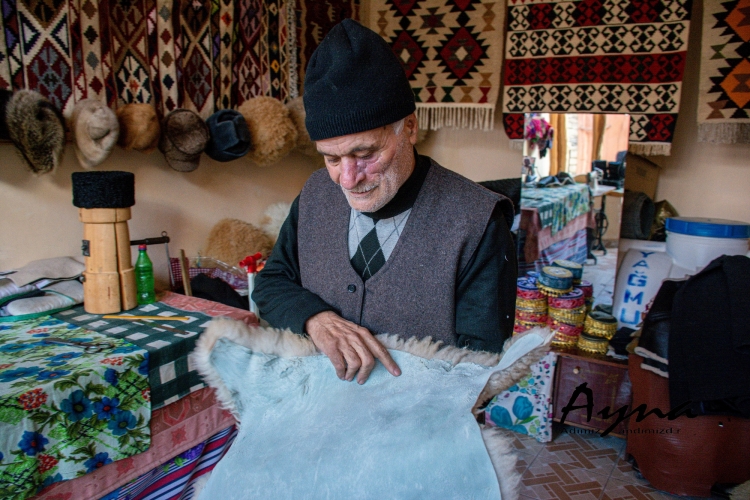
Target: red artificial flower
(33, 398)
(251, 262)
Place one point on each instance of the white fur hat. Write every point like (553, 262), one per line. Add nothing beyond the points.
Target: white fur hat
(95, 131)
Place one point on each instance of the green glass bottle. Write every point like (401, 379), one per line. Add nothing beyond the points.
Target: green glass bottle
(144, 277)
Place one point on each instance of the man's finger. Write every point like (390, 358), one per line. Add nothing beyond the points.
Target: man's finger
(337, 360)
(379, 351)
(353, 363)
(368, 363)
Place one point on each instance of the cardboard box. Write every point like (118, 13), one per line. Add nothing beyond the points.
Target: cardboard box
(641, 175)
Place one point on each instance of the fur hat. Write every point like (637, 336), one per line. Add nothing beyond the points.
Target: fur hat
(271, 128)
(183, 139)
(139, 127)
(37, 129)
(95, 131)
(230, 137)
(231, 240)
(5, 96)
(304, 144)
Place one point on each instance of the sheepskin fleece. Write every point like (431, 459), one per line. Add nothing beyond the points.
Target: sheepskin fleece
(307, 434)
(231, 240)
(271, 127)
(274, 218)
(304, 144)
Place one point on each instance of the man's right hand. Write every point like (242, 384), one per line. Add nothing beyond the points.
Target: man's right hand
(350, 347)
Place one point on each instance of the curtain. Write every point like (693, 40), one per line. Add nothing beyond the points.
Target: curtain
(558, 160)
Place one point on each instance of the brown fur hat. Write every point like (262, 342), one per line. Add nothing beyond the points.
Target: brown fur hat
(231, 240)
(95, 132)
(139, 127)
(304, 144)
(271, 128)
(37, 129)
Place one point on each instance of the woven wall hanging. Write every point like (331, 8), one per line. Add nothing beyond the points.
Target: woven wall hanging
(598, 56)
(452, 52)
(724, 100)
(202, 55)
(315, 18)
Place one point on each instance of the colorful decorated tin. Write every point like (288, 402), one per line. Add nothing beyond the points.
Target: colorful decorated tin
(599, 324)
(555, 281)
(571, 300)
(596, 345)
(527, 289)
(575, 268)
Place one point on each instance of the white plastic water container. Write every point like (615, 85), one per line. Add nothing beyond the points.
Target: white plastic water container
(693, 242)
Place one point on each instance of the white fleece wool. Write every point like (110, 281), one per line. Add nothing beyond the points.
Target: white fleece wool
(284, 343)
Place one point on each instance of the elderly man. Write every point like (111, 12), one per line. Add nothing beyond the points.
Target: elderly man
(384, 240)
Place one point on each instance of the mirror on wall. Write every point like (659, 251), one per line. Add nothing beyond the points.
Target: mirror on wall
(573, 176)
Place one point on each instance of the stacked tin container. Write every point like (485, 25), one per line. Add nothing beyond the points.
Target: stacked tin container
(531, 305)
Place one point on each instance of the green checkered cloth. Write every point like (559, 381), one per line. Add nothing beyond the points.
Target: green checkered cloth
(170, 374)
(557, 206)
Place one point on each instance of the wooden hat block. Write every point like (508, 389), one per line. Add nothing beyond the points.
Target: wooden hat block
(104, 200)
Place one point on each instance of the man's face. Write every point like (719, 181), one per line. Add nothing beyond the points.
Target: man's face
(371, 166)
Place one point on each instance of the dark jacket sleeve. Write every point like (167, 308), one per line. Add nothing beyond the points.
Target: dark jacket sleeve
(278, 293)
(486, 290)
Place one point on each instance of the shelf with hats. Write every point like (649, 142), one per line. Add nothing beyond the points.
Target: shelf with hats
(262, 129)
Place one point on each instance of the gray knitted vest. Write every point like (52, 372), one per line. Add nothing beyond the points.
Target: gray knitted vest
(413, 294)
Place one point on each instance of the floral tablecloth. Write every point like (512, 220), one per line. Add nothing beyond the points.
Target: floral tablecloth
(557, 206)
(527, 406)
(64, 412)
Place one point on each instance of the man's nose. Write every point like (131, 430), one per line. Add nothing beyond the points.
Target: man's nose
(351, 173)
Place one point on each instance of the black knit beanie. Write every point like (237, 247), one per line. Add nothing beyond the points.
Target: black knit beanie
(353, 83)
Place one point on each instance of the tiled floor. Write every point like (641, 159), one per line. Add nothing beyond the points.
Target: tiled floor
(579, 467)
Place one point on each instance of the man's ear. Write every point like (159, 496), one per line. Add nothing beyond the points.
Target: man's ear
(411, 128)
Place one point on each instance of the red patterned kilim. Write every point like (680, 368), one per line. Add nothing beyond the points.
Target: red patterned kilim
(724, 102)
(197, 76)
(202, 55)
(315, 18)
(46, 50)
(452, 53)
(598, 56)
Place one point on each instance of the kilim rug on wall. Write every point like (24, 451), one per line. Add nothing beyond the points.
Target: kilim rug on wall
(315, 18)
(202, 55)
(724, 101)
(452, 52)
(598, 56)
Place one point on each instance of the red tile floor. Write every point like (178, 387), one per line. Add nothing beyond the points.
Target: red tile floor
(579, 466)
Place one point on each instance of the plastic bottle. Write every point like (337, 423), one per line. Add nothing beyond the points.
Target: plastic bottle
(144, 277)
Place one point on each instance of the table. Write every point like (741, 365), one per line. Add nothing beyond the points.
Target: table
(65, 412)
(553, 225)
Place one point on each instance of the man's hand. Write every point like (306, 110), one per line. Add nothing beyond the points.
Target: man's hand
(350, 347)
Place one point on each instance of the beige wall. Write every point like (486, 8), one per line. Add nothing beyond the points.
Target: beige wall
(701, 179)
(38, 219)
